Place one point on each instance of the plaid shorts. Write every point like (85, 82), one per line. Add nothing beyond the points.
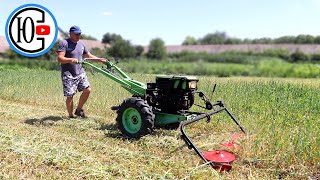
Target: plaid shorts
(73, 83)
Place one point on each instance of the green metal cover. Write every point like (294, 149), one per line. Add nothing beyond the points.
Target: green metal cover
(162, 119)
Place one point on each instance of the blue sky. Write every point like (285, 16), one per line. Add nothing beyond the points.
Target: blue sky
(172, 20)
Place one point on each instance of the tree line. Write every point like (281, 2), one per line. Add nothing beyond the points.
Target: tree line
(120, 48)
(222, 38)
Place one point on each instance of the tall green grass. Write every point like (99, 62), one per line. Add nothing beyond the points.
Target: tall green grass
(263, 67)
(281, 117)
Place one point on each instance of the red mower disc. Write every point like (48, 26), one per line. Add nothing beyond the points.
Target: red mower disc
(219, 156)
(222, 159)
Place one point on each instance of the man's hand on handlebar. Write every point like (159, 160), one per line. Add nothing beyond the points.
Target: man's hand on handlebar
(102, 60)
(75, 61)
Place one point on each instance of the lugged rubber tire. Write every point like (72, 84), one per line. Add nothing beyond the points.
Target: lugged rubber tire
(135, 118)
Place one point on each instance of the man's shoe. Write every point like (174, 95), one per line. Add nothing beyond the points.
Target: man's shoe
(72, 117)
(80, 113)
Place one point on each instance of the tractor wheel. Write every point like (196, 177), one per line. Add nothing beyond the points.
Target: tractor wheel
(135, 118)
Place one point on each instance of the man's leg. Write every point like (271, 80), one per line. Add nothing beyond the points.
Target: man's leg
(83, 98)
(84, 86)
(69, 89)
(69, 104)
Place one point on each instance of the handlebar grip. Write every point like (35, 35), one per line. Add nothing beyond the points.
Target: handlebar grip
(85, 59)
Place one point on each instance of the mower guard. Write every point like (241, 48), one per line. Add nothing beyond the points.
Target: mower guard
(206, 116)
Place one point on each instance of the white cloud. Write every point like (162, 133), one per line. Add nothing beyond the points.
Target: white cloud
(106, 13)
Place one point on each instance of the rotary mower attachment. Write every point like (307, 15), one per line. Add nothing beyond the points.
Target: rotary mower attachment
(220, 160)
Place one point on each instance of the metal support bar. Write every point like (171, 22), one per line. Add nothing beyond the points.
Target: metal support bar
(134, 87)
(187, 139)
(235, 120)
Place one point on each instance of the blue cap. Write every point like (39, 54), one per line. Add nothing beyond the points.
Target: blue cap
(75, 29)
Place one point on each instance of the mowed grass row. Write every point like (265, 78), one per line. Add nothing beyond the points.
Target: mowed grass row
(281, 117)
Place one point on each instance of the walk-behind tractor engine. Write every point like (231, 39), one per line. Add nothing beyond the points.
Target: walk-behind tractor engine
(165, 102)
(171, 93)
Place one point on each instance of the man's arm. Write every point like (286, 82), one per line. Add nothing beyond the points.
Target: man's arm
(95, 58)
(65, 60)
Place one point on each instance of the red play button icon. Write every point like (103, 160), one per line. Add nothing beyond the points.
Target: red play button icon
(42, 30)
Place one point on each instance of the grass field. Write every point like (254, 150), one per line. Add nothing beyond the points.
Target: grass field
(37, 141)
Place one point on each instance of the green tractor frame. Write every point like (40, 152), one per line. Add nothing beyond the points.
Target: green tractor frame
(163, 103)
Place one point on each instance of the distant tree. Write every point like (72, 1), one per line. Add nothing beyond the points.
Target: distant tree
(317, 40)
(51, 55)
(139, 50)
(284, 40)
(247, 41)
(262, 41)
(88, 37)
(11, 54)
(189, 40)
(99, 52)
(304, 39)
(157, 49)
(122, 49)
(111, 38)
(233, 41)
(214, 38)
